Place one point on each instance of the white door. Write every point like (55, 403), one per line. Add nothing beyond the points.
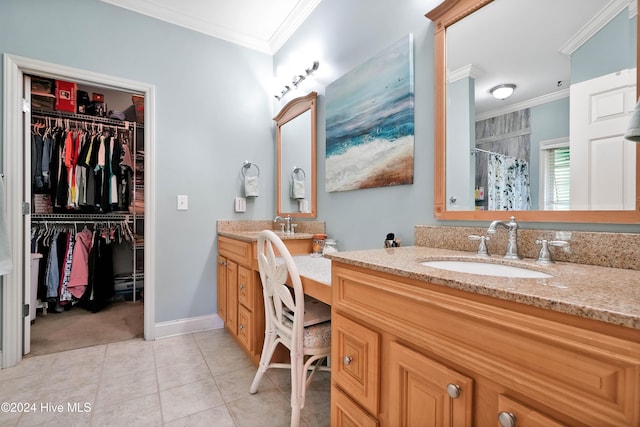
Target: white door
(602, 162)
(26, 264)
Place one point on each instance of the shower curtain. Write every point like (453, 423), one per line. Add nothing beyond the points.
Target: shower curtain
(508, 184)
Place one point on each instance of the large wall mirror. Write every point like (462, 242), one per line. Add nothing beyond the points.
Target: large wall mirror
(296, 157)
(554, 151)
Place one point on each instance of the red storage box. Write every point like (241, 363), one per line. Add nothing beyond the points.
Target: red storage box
(66, 96)
(138, 102)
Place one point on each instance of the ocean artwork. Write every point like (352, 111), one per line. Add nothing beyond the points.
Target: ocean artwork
(370, 122)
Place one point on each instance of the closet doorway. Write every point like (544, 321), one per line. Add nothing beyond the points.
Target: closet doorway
(16, 319)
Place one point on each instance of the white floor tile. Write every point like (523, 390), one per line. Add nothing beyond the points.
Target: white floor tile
(200, 379)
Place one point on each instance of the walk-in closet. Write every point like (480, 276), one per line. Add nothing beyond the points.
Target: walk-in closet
(87, 215)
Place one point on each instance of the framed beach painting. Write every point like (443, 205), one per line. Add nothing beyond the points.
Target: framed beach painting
(370, 122)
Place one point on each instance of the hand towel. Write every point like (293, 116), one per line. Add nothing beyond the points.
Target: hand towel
(297, 188)
(5, 253)
(251, 186)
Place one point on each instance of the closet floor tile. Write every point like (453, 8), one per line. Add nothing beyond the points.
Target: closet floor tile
(200, 379)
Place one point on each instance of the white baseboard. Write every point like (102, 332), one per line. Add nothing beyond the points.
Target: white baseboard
(187, 326)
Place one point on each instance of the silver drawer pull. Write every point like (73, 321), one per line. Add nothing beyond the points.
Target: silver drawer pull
(347, 360)
(507, 419)
(241, 286)
(453, 390)
(241, 327)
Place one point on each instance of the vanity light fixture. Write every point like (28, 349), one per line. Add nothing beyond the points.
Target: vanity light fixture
(297, 79)
(503, 91)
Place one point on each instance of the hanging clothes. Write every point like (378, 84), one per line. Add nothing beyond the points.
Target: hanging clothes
(508, 183)
(79, 276)
(68, 156)
(101, 288)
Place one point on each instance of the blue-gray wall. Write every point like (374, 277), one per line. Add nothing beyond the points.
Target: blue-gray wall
(341, 35)
(548, 121)
(213, 111)
(596, 58)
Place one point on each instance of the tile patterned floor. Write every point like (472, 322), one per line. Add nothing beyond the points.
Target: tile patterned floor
(200, 379)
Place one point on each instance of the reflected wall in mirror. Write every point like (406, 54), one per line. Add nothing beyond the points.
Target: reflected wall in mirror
(554, 150)
(296, 158)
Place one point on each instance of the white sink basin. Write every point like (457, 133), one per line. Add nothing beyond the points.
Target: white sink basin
(486, 269)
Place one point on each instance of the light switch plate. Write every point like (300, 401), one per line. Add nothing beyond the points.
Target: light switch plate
(241, 204)
(183, 202)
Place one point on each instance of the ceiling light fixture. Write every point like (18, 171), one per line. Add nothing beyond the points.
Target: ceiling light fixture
(297, 79)
(503, 91)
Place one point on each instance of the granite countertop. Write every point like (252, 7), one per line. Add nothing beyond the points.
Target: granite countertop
(610, 295)
(252, 236)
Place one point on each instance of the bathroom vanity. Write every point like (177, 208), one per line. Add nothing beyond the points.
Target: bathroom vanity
(240, 301)
(415, 345)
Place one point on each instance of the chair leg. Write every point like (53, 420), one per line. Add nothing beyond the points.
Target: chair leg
(270, 344)
(297, 388)
(295, 416)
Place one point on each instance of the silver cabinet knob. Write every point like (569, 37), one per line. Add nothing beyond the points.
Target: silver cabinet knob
(241, 327)
(453, 390)
(507, 419)
(347, 360)
(241, 286)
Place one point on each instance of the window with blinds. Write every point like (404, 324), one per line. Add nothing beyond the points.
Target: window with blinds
(556, 177)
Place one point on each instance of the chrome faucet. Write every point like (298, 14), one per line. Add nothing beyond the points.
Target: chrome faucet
(286, 223)
(512, 243)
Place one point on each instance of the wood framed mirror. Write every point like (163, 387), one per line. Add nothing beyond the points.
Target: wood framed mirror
(296, 158)
(455, 22)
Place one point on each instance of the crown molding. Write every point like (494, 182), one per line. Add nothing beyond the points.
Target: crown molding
(610, 11)
(177, 16)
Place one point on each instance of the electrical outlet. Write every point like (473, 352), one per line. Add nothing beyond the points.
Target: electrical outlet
(183, 202)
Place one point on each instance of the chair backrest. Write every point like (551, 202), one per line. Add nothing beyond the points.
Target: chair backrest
(278, 297)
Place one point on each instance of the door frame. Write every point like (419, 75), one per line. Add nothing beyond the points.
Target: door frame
(14, 69)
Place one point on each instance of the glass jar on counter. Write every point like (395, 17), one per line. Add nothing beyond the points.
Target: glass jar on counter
(317, 245)
(330, 246)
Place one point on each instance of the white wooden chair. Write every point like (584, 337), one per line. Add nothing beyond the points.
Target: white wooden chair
(308, 346)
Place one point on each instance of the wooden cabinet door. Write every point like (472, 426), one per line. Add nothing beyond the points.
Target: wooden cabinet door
(232, 297)
(346, 413)
(512, 413)
(426, 393)
(355, 350)
(222, 288)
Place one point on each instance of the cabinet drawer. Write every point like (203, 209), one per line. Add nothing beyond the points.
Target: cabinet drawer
(346, 413)
(524, 416)
(236, 250)
(245, 327)
(355, 351)
(246, 287)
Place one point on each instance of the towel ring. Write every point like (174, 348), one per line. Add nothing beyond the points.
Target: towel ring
(247, 165)
(296, 171)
